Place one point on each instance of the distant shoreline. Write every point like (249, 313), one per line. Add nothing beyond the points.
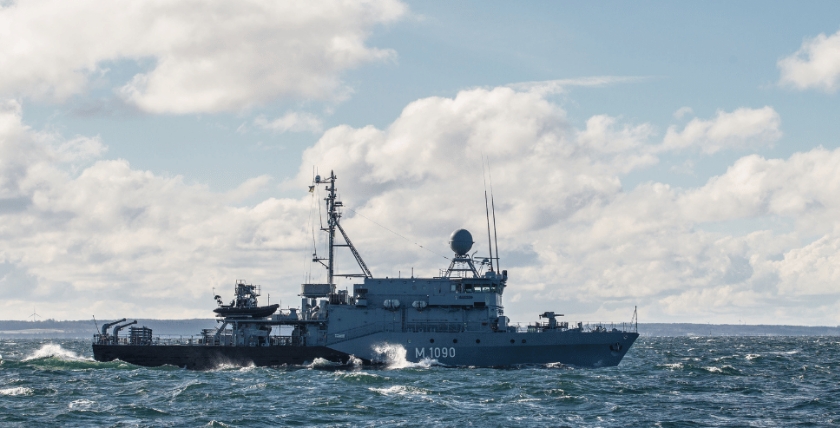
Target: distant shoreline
(52, 329)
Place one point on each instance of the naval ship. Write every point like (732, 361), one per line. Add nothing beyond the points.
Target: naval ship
(454, 319)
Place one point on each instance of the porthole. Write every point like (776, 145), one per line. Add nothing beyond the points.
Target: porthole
(431, 340)
(477, 340)
(454, 340)
(523, 340)
(512, 341)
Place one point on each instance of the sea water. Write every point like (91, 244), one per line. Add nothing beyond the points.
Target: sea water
(663, 381)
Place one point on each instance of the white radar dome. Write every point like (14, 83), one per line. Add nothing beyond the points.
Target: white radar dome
(461, 241)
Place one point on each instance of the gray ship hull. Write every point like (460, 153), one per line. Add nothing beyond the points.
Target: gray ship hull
(499, 349)
(201, 357)
(598, 349)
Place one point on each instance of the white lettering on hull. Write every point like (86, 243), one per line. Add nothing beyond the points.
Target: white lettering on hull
(434, 352)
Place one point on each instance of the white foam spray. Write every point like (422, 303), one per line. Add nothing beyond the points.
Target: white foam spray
(356, 362)
(16, 391)
(322, 363)
(393, 356)
(53, 350)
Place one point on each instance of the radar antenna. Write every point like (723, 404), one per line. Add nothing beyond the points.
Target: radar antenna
(462, 264)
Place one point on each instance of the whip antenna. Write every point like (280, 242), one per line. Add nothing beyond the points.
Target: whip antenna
(487, 212)
(493, 205)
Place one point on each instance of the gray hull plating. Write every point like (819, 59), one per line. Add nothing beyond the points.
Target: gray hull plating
(587, 349)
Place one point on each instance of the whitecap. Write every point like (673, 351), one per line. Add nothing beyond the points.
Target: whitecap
(399, 390)
(558, 366)
(53, 350)
(357, 375)
(81, 404)
(322, 362)
(16, 391)
(225, 365)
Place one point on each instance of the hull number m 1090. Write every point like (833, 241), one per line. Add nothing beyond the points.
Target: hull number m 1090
(434, 352)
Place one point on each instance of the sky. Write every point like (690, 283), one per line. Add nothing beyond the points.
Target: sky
(682, 158)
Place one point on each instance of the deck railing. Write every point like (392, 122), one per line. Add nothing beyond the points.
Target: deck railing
(194, 340)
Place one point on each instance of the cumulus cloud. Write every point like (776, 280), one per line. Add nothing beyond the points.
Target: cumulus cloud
(291, 122)
(800, 187)
(117, 240)
(560, 200)
(742, 128)
(682, 111)
(438, 143)
(549, 87)
(816, 65)
(121, 241)
(201, 56)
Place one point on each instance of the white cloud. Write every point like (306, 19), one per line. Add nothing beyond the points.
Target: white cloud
(129, 242)
(801, 187)
(815, 65)
(203, 56)
(548, 87)
(742, 128)
(682, 111)
(558, 193)
(437, 143)
(124, 241)
(817, 265)
(291, 122)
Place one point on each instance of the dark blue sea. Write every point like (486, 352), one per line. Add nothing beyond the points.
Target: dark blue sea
(663, 381)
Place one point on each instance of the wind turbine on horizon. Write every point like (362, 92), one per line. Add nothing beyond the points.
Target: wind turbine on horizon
(34, 314)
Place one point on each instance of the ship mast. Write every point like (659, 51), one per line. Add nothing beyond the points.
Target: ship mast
(333, 223)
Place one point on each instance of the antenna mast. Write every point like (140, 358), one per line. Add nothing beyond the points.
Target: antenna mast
(489, 241)
(485, 163)
(333, 204)
(493, 205)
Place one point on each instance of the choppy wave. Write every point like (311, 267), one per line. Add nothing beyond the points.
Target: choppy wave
(323, 363)
(662, 382)
(16, 391)
(400, 390)
(52, 350)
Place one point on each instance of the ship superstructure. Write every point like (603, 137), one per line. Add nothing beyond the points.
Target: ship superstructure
(456, 319)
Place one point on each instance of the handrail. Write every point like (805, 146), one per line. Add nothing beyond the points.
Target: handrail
(583, 326)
